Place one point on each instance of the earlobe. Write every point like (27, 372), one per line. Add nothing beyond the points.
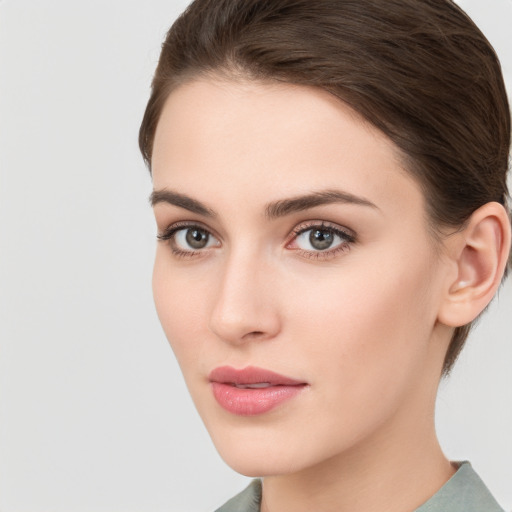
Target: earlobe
(480, 253)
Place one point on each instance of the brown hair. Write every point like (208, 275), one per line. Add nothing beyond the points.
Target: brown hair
(418, 70)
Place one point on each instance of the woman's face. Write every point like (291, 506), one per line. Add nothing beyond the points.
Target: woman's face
(295, 277)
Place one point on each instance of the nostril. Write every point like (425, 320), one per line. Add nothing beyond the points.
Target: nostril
(254, 334)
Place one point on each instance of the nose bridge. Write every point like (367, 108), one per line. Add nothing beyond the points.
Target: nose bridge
(245, 306)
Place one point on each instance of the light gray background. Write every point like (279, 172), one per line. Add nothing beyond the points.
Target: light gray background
(94, 415)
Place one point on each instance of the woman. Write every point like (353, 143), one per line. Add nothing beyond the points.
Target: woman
(331, 201)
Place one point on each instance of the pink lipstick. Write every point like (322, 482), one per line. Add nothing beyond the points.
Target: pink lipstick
(251, 391)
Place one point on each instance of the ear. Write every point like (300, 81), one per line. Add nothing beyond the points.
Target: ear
(479, 255)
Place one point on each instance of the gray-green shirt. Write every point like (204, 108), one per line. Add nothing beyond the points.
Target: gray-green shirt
(464, 492)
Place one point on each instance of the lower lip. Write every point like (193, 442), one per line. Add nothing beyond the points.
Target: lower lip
(250, 402)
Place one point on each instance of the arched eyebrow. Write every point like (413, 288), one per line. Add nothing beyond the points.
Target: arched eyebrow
(180, 200)
(284, 207)
(273, 210)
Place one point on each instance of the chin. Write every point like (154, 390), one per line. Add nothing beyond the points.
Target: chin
(255, 466)
(261, 452)
(252, 452)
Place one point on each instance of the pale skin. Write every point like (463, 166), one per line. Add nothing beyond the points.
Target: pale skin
(366, 322)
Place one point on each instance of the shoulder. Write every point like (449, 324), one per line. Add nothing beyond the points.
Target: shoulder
(247, 501)
(464, 492)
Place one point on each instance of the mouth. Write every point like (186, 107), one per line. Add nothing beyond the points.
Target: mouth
(251, 391)
(259, 385)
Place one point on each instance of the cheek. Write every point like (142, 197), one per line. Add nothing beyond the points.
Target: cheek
(364, 347)
(180, 310)
(368, 320)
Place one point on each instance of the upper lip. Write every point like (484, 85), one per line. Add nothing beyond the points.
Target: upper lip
(250, 375)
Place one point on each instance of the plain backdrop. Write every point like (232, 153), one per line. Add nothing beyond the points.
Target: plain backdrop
(94, 415)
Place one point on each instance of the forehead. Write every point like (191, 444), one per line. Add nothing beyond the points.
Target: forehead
(269, 140)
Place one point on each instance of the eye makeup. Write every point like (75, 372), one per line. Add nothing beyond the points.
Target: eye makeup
(192, 234)
(318, 240)
(326, 240)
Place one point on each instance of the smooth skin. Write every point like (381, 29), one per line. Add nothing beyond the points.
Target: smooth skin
(346, 290)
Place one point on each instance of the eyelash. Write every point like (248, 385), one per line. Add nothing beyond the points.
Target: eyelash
(347, 236)
(170, 232)
(348, 239)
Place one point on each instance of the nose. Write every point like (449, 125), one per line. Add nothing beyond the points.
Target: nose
(246, 306)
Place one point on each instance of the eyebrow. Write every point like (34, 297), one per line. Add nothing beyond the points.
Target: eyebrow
(180, 200)
(300, 203)
(273, 210)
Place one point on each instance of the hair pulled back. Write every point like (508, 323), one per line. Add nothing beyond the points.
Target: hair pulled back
(418, 70)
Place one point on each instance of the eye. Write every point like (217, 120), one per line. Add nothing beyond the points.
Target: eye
(320, 240)
(188, 240)
(192, 238)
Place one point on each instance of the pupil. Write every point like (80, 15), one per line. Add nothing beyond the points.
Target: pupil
(196, 238)
(321, 240)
